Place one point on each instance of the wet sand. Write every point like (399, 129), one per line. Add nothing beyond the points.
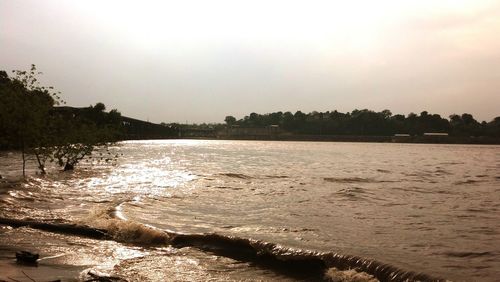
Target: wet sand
(69, 258)
(62, 257)
(75, 258)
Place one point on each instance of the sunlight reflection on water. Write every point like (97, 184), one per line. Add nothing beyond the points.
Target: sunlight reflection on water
(406, 204)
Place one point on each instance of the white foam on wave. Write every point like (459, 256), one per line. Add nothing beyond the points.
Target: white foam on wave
(125, 230)
(119, 212)
(335, 275)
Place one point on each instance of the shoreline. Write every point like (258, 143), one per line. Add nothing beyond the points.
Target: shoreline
(295, 264)
(71, 260)
(345, 138)
(451, 140)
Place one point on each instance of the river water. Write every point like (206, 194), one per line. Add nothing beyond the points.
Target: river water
(422, 208)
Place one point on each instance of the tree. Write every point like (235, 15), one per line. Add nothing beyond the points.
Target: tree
(99, 107)
(29, 121)
(493, 127)
(230, 120)
(254, 119)
(83, 132)
(288, 121)
(8, 114)
(386, 114)
(30, 105)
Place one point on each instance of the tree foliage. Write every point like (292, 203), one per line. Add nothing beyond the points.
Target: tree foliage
(31, 122)
(367, 122)
(230, 120)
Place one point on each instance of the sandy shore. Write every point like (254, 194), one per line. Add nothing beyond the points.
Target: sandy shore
(65, 258)
(70, 258)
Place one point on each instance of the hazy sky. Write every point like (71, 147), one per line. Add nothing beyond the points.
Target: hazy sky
(197, 61)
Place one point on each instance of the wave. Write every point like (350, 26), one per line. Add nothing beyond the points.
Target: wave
(468, 181)
(353, 193)
(298, 262)
(277, 176)
(228, 187)
(296, 259)
(236, 175)
(107, 229)
(66, 228)
(440, 171)
(8, 184)
(468, 254)
(354, 180)
(348, 179)
(122, 230)
(336, 275)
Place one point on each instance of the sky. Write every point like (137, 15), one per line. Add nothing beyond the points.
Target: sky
(199, 61)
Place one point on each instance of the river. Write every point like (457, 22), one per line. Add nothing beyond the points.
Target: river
(424, 208)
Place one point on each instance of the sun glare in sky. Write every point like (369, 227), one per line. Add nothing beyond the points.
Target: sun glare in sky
(152, 24)
(262, 56)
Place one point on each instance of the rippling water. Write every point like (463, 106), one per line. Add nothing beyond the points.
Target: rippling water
(423, 208)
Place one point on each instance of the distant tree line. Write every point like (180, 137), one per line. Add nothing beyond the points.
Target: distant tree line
(367, 122)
